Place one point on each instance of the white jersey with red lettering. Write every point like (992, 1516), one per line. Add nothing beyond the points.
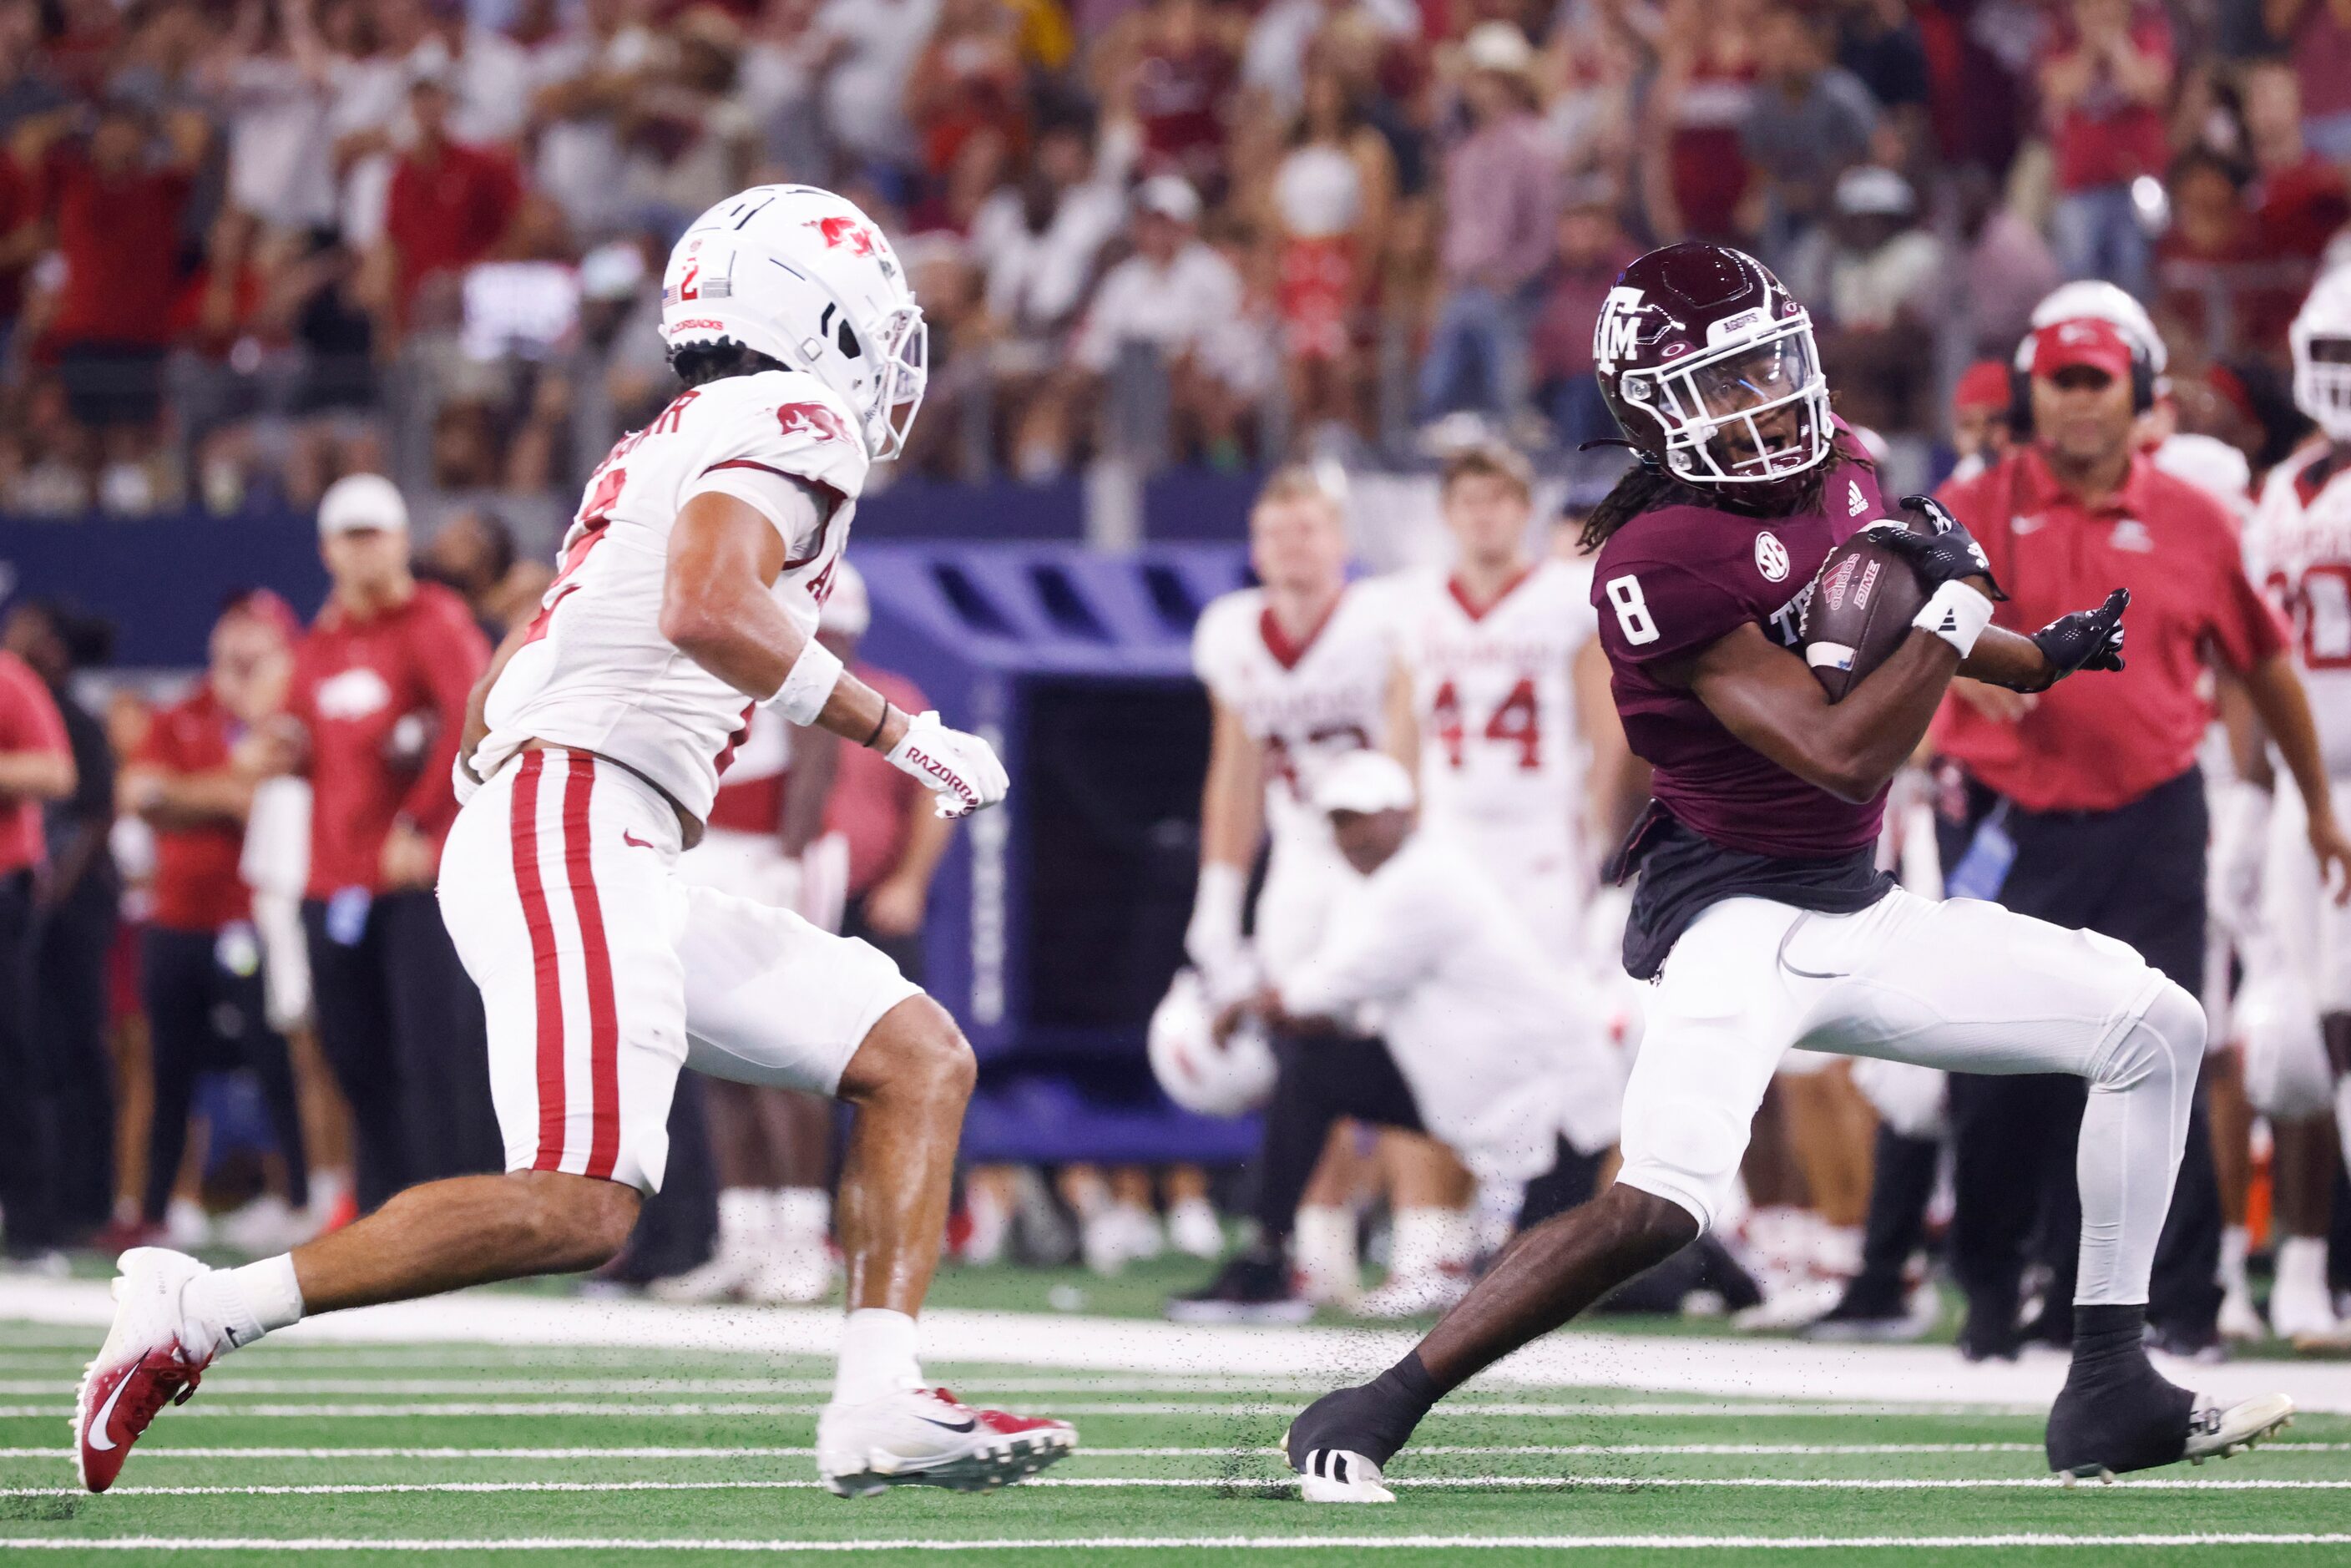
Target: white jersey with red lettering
(597, 673)
(1503, 758)
(2298, 546)
(1304, 703)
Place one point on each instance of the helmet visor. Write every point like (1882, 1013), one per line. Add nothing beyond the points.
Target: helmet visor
(904, 346)
(1751, 412)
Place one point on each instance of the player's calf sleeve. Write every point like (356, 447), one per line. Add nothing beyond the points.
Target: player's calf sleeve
(228, 1309)
(2133, 1128)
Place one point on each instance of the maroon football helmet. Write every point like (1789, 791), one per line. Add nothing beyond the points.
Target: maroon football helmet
(1709, 364)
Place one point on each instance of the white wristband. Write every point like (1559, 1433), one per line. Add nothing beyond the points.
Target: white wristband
(1958, 614)
(808, 687)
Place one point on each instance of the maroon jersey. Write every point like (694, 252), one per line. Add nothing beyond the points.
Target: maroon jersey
(1674, 581)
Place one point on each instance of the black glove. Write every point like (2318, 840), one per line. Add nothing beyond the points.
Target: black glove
(1947, 553)
(2085, 640)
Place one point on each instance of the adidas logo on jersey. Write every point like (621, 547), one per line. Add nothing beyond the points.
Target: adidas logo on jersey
(1855, 502)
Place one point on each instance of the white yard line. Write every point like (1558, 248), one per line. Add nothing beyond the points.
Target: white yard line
(1784, 1369)
(787, 1451)
(295, 1545)
(1219, 1483)
(1464, 1410)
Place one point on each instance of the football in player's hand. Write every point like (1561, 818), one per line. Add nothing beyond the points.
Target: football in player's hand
(1862, 606)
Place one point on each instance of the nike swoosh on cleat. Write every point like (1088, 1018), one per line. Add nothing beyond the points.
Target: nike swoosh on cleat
(966, 1424)
(96, 1435)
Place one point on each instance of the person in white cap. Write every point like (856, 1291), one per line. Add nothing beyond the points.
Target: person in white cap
(373, 714)
(772, 1146)
(689, 593)
(1480, 1042)
(1178, 296)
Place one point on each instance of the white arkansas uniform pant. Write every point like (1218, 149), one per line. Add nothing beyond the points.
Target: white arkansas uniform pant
(602, 972)
(1962, 985)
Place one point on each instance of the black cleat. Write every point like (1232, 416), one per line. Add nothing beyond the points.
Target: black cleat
(1250, 1288)
(1867, 1312)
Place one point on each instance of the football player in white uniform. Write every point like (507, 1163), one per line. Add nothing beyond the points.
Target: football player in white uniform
(1522, 761)
(1298, 672)
(2294, 1012)
(689, 593)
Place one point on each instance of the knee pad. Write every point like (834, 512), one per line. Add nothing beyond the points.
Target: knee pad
(2166, 1037)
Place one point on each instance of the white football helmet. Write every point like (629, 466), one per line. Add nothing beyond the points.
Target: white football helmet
(2322, 388)
(1199, 1074)
(801, 276)
(2107, 302)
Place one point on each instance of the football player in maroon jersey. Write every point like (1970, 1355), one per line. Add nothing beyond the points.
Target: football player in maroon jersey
(1759, 912)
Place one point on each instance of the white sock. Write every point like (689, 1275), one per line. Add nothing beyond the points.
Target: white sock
(1429, 1238)
(1325, 1242)
(799, 1217)
(228, 1309)
(2302, 1265)
(742, 1220)
(877, 1357)
(2235, 1242)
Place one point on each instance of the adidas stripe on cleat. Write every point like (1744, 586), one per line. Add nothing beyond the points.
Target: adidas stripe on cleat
(1336, 1475)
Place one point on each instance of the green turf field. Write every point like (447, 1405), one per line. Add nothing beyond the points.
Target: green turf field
(310, 1452)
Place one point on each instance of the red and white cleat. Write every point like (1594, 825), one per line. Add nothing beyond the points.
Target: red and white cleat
(927, 1438)
(140, 1368)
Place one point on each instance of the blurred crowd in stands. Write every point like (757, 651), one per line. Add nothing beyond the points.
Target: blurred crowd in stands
(247, 245)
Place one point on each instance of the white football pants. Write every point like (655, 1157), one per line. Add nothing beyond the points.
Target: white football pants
(1964, 986)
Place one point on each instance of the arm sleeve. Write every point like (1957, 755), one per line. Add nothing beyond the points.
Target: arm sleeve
(1656, 611)
(1379, 946)
(453, 660)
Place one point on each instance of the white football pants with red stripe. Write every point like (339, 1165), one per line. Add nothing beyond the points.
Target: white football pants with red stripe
(602, 972)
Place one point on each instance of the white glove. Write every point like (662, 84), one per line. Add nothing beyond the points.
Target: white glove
(2241, 837)
(1212, 938)
(960, 769)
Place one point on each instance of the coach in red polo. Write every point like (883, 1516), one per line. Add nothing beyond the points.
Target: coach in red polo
(2094, 800)
(379, 693)
(36, 766)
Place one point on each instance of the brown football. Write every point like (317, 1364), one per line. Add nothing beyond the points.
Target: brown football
(1861, 609)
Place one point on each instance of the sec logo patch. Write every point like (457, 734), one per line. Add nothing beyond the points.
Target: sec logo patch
(1770, 557)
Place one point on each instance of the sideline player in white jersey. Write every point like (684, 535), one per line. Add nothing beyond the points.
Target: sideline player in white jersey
(1518, 740)
(2295, 1011)
(1298, 674)
(688, 594)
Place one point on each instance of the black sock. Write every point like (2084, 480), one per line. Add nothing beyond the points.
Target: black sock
(2103, 1333)
(1373, 1420)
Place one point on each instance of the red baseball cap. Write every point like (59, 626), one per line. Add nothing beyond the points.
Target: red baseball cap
(2085, 340)
(1983, 384)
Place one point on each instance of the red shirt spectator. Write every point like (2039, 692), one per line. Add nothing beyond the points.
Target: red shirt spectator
(196, 885)
(383, 699)
(449, 203)
(29, 721)
(2106, 77)
(2096, 745)
(119, 231)
(871, 801)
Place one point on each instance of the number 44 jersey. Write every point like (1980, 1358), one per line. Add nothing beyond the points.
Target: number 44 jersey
(595, 671)
(2298, 547)
(1501, 752)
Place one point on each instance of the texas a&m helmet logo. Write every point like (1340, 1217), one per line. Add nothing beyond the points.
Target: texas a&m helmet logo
(811, 419)
(1627, 322)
